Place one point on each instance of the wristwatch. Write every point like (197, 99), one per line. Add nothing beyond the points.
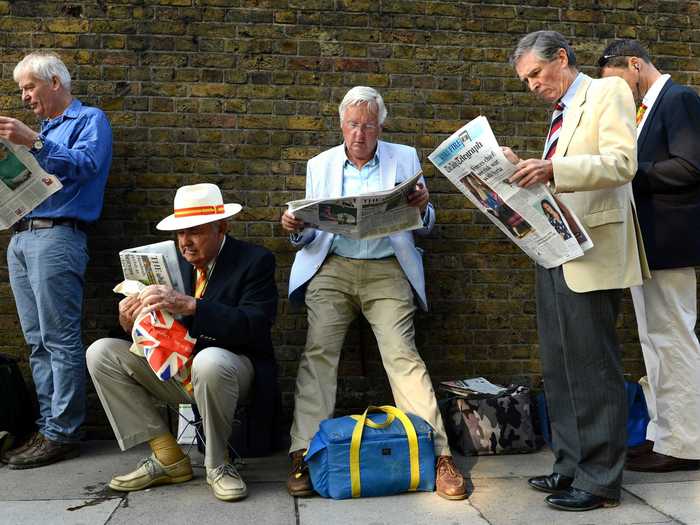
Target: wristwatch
(38, 144)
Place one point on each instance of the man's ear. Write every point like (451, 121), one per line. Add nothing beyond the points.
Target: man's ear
(634, 63)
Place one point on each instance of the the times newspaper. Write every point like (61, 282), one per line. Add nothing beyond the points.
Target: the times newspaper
(531, 217)
(153, 264)
(365, 216)
(23, 183)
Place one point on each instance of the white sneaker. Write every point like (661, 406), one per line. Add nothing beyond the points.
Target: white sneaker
(226, 483)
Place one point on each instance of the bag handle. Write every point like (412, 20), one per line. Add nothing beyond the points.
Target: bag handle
(356, 441)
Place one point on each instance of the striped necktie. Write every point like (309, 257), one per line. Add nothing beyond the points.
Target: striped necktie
(640, 113)
(200, 284)
(554, 130)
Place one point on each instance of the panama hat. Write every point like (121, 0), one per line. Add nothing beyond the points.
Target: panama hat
(195, 205)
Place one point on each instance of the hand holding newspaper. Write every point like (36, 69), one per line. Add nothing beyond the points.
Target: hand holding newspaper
(23, 183)
(365, 216)
(532, 218)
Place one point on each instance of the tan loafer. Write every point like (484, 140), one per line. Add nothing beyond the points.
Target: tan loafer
(226, 483)
(151, 472)
(448, 480)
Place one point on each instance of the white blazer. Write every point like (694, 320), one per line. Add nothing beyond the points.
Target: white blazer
(324, 178)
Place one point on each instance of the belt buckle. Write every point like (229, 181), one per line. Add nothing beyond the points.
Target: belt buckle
(41, 224)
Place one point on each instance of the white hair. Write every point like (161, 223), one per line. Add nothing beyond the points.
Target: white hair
(364, 95)
(43, 66)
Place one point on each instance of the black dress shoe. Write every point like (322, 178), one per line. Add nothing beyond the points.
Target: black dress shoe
(640, 450)
(553, 483)
(579, 500)
(655, 462)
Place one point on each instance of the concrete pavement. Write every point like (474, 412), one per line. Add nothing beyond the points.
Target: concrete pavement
(74, 492)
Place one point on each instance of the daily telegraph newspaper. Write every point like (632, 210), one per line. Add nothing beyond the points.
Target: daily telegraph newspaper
(532, 218)
(365, 216)
(23, 183)
(153, 264)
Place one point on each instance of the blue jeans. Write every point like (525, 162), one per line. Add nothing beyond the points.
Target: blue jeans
(47, 270)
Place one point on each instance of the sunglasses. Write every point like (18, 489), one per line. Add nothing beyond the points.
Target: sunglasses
(602, 61)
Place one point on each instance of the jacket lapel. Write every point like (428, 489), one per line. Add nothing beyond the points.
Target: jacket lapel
(387, 166)
(572, 118)
(334, 182)
(645, 130)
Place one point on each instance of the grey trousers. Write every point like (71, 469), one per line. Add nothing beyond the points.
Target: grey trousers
(126, 386)
(583, 380)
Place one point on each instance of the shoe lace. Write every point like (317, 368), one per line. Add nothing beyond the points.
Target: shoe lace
(225, 469)
(446, 466)
(150, 466)
(298, 464)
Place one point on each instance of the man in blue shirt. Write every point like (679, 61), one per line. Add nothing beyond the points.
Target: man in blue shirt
(47, 254)
(339, 278)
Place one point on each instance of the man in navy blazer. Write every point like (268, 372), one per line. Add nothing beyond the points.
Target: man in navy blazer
(667, 193)
(339, 278)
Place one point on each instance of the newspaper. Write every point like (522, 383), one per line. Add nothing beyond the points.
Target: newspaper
(23, 183)
(153, 264)
(365, 216)
(475, 386)
(534, 219)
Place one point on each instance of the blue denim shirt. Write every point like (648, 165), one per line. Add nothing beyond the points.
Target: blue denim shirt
(356, 182)
(78, 150)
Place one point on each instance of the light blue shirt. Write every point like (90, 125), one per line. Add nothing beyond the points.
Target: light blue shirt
(356, 182)
(571, 92)
(78, 150)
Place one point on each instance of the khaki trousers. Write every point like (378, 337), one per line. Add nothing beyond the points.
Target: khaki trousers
(379, 290)
(126, 386)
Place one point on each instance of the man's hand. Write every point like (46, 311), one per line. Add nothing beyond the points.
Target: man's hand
(128, 312)
(159, 297)
(17, 132)
(510, 154)
(532, 171)
(419, 197)
(290, 223)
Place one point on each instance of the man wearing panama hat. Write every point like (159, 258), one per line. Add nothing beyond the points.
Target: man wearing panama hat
(229, 305)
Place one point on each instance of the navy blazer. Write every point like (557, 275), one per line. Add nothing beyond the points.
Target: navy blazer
(236, 313)
(667, 184)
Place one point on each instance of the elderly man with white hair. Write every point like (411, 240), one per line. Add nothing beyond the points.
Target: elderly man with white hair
(339, 278)
(47, 254)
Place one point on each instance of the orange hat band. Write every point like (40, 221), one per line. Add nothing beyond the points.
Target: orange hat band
(199, 210)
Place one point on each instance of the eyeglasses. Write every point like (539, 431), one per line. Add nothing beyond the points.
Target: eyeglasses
(602, 61)
(368, 128)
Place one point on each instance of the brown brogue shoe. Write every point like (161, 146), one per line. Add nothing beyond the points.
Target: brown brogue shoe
(26, 445)
(299, 480)
(448, 481)
(44, 452)
(655, 462)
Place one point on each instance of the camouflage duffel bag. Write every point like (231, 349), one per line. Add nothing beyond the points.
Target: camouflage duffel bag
(500, 424)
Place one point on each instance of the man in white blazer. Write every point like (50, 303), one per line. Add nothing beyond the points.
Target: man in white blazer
(339, 278)
(590, 159)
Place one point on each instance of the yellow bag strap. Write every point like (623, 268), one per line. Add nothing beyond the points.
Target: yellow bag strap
(356, 441)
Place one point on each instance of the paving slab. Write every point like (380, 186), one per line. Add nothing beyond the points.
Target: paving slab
(58, 511)
(680, 500)
(512, 502)
(403, 509)
(506, 466)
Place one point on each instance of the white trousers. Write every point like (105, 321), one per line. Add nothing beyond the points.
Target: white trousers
(666, 311)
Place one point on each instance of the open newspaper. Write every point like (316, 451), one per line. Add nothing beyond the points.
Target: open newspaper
(153, 264)
(532, 217)
(365, 216)
(23, 183)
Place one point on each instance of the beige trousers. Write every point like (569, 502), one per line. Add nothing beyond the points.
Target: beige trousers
(666, 311)
(379, 290)
(126, 386)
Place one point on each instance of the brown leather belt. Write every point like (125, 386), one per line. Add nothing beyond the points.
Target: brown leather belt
(42, 224)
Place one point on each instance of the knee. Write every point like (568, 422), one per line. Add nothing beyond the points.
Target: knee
(98, 353)
(210, 368)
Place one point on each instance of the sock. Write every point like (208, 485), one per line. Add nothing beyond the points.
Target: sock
(166, 449)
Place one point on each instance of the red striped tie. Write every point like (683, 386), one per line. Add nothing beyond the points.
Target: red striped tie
(554, 130)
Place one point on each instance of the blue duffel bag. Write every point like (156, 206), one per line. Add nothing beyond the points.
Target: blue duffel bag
(372, 455)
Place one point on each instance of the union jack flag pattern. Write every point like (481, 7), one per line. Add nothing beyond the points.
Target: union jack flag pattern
(166, 345)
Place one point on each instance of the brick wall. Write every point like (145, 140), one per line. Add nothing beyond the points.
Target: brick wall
(243, 92)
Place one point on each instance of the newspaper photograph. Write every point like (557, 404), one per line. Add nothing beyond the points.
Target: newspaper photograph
(533, 218)
(23, 183)
(365, 216)
(153, 264)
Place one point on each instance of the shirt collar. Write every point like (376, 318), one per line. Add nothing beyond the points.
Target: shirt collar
(654, 90)
(568, 97)
(72, 111)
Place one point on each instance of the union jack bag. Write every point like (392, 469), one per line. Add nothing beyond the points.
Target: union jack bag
(166, 345)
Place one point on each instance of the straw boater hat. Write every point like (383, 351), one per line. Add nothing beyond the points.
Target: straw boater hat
(195, 205)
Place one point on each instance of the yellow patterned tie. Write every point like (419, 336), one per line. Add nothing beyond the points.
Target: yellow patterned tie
(640, 113)
(201, 284)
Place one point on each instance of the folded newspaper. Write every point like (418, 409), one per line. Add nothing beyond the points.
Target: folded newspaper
(533, 218)
(475, 386)
(153, 264)
(23, 183)
(365, 216)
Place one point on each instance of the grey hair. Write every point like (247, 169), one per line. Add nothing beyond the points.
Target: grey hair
(43, 66)
(545, 45)
(364, 95)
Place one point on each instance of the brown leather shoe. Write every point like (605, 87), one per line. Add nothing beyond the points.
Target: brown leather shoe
(26, 445)
(448, 480)
(44, 452)
(299, 481)
(655, 462)
(640, 450)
